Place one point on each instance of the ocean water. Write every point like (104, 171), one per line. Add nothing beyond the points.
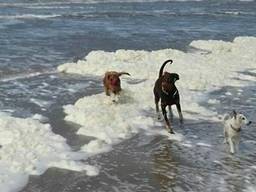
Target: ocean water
(38, 36)
(84, 147)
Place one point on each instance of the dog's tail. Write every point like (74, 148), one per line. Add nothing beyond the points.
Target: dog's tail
(225, 117)
(123, 73)
(162, 68)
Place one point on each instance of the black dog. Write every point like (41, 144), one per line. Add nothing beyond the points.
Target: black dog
(166, 90)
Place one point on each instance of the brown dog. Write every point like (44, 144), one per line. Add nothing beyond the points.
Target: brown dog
(166, 90)
(112, 83)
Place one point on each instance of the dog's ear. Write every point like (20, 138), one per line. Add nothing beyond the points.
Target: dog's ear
(234, 113)
(107, 74)
(176, 77)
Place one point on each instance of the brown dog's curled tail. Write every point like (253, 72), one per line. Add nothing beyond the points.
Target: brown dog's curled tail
(123, 73)
(162, 68)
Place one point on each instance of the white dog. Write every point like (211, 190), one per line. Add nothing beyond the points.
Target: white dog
(232, 129)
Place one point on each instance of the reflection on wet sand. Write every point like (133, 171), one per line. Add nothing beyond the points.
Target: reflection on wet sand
(165, 167)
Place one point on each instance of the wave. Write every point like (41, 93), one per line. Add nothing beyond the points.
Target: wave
(48, 7)
(52, 3)
(200, 72)
(28, 16)
(121, 14)
(155, 13)
(6, 78)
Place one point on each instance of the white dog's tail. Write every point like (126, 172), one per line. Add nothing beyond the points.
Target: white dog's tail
(226, 117)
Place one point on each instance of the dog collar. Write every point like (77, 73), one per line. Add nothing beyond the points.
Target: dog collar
(168, 93)
(175, 93)
(237, 130)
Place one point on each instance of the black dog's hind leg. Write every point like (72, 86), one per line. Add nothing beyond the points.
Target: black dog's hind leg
(157, 98)
(166, 119)
(180, 113)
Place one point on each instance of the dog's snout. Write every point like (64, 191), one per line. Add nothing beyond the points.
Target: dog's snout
(249, 123)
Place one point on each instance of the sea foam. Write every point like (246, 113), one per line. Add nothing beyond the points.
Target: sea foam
(28, 147)
(215, 64)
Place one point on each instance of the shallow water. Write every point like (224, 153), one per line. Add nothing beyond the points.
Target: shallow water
(145, 162)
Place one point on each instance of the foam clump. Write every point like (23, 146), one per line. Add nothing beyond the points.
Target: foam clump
(109, 122)
(40, 118)
(30, 147)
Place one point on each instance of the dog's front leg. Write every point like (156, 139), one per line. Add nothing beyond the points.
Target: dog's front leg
(158, 112)
(107, 91)
(166, 119)
(180, 113)
(231, 144)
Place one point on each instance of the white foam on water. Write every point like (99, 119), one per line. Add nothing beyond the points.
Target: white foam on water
(41, 103)
(28, 147)
(199, 73)
(64, 5)
(96, 146)
(247, 0)
(219, 65)
(40, 118)
(213, 101)
(253, 167)
(28, 16)
(189, 145)
(246, 77)
(203, 144)
(228, 93)
(25, 75)
(47, 7)
(107, 121)
(134, 111)
(250, 189)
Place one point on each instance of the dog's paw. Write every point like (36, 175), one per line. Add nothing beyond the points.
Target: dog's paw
(170, 130)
